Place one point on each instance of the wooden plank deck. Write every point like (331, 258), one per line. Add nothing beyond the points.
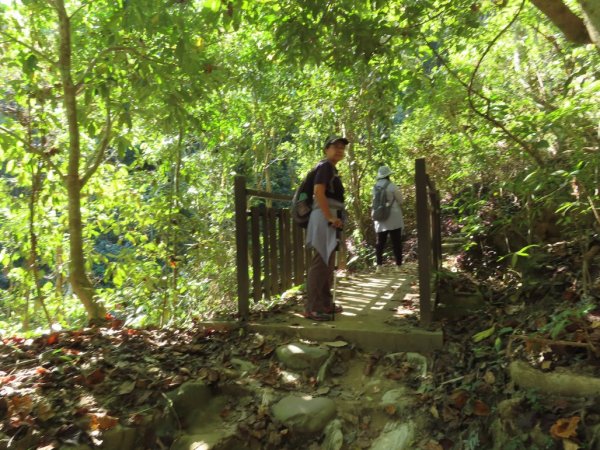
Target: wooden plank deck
(380, 313)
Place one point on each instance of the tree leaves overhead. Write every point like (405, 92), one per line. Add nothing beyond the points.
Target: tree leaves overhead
(198, 90)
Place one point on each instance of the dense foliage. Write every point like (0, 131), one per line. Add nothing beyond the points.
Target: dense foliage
(127, 121)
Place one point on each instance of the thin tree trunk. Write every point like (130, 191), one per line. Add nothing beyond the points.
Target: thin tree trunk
(79, 280)
(36, 180)
(177, 224)
(36, 185)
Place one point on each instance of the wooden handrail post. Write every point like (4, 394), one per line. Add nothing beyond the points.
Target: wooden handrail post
(241, 239)
(424, 241)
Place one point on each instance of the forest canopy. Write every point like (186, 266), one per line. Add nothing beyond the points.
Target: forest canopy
(123, 123)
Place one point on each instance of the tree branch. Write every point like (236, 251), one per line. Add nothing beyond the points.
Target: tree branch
(34, 150)
(572, 26)
(28, 46)
(524, 145)
(100, 150)
(119, 48)
(83, 5)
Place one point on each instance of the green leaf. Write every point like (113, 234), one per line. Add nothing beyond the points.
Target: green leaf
(498, 344)
(478, 337)
(523, 251)
(30, 64)
(214, 5)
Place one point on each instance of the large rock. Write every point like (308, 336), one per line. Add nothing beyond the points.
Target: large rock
(304, 414)
(301, 357)
(557, 383)
(401, 398)
(334, 438)
(190, 397)
(217, 438)
(397, 436)
(203, 425)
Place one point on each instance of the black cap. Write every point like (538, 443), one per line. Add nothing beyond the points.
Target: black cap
(333, 139)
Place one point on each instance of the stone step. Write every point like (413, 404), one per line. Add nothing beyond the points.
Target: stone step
(402, 339)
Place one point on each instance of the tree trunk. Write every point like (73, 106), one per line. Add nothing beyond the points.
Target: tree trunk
(570, 24)
(79, 280)
(36, 181)
(591, 17)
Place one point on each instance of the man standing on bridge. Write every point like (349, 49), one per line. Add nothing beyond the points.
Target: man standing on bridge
(326, 220)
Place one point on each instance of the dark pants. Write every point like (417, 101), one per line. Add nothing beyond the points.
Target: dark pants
(318, 284)
(396, 245)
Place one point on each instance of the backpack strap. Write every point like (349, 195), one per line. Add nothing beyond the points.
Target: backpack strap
(384, 187)
(321, 163)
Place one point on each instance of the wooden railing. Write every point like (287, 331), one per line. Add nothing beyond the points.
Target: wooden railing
(429, 237)
(271, 256)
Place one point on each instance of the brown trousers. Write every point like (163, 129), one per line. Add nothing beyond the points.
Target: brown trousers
(319, 283)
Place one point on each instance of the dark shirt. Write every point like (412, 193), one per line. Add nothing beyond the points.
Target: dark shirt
(328, 175)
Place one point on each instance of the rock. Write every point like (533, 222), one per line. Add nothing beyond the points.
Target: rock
(334, 438)
(189, 397)
(397, 436)
(304, 414)
(242, 365)
(400, 398)
(301, 356)
(203, 424)
(556, 383)
(215, 439)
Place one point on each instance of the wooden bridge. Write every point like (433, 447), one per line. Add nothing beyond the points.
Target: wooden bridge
(388, 311)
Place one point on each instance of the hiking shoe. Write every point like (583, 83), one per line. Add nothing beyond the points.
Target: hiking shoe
(336, 309)
(318, 316)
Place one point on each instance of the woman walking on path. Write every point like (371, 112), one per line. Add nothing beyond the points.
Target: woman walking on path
(394, 223)
(321, 234)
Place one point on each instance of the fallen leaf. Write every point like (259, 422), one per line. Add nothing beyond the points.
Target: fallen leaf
(97, 376)
(323, 390)
(336, 344)
(449, 414)
(43, 411)
(102, 422)
(489, 377)
(52, 339)
(127, 387)
(390, 409)
(7, 379)
(569, 445)
(434, 412)
(565, 428)
(480, 408)
(459, 398)
(21, 404)
(546, 365)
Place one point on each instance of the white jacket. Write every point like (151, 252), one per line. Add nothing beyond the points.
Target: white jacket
(395, 220)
